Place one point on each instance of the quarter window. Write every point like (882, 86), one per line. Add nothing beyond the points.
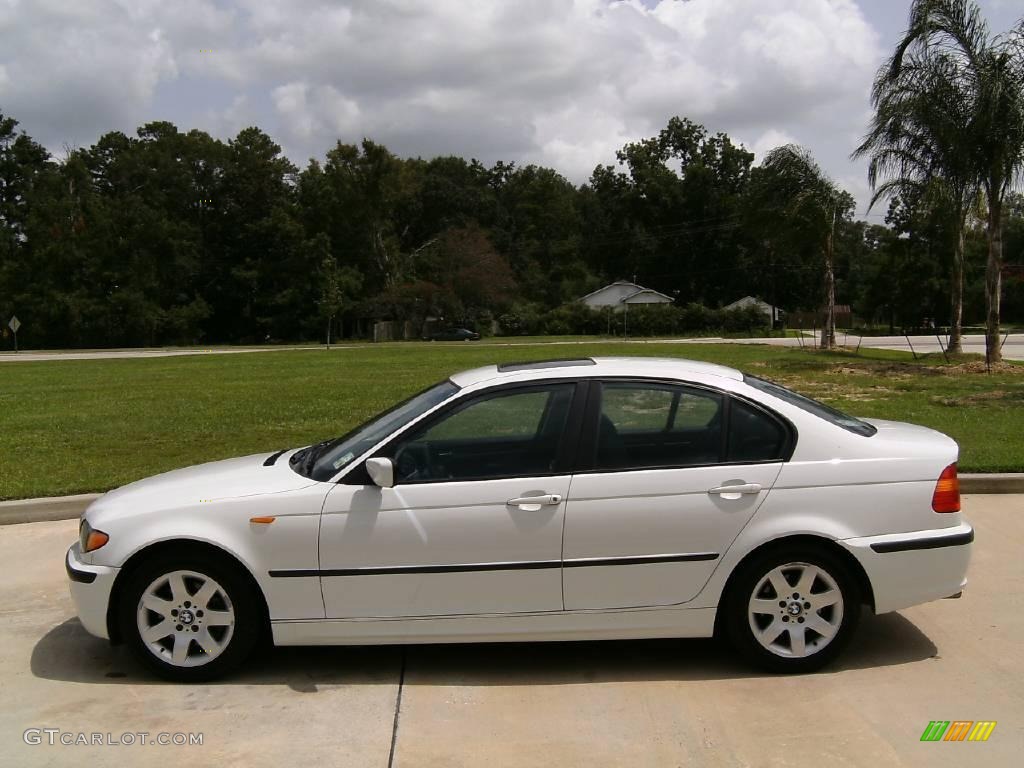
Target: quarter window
(753, 434)
(655, 425)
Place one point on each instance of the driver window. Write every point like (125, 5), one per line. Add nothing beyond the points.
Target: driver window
(513, 433)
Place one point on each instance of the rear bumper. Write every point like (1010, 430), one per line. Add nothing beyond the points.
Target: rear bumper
(906, 569)
(90, 587)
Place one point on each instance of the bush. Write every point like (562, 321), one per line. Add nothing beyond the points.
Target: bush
(521, 320)
(744, 319)
(643, 320)
(573, 319)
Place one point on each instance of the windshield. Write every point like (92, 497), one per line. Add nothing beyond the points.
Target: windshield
(820, 410)
(324, 460)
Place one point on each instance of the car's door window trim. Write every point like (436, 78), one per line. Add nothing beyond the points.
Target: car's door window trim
(586, 460)
(564, 454)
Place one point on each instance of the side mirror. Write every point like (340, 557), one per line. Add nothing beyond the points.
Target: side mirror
(381, 471)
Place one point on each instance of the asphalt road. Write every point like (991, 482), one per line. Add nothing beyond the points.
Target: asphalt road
(645, 703)
(1013, 348)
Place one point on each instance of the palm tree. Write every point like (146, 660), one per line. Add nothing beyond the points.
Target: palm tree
(988, 72)
(810, 193)
(921, 148)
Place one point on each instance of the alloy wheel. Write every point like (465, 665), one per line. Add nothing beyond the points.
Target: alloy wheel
(185, 618)
(795, 610)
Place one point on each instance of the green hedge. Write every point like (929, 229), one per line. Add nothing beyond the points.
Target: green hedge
(643, 320)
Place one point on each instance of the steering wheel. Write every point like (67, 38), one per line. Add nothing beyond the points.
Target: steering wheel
(414, 462)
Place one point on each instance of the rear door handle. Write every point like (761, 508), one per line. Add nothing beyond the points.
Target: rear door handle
(535, 502)
(735, 491)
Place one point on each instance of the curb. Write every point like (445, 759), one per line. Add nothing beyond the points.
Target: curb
(70, 507)
(1008, 482)
(40, 510)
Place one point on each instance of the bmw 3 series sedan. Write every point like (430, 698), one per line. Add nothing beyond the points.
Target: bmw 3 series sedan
(604, 498)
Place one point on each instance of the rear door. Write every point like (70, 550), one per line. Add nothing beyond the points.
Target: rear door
(672, 475)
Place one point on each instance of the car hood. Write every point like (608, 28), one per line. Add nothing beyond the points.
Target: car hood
(231, 478)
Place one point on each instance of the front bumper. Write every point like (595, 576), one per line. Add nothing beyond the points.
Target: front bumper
(906, 569)
(90, 591)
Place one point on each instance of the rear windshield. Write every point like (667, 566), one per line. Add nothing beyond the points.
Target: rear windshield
(820, 410)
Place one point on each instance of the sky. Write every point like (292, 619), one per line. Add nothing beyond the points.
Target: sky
(563, 83)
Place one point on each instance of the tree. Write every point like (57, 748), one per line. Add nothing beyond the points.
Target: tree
(811, 194)
(989, 73)
(920, 144)
(337, 284)
(673, 217)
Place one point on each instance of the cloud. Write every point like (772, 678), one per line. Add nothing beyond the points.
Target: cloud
(560, 83)
(768, 141)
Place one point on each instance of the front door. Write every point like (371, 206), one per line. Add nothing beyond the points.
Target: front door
(473, 524)
(676, 473)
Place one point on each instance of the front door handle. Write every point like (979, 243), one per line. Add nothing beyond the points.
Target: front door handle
(735, 491)
(533, 503)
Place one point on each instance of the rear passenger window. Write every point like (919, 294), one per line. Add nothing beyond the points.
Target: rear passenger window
(753, 434)
(657, 425)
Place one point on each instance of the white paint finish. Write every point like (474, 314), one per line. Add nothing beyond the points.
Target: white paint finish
(91, 599)
(653, 512)
(915, 576)
(231, 478)
(576, 625)
(669, 368)
(197, 508)
(839, 486)
(442, 524)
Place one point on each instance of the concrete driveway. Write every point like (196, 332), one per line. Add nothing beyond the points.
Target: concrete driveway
(650, 703)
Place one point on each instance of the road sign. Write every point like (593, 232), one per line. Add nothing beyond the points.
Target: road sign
(14, 324)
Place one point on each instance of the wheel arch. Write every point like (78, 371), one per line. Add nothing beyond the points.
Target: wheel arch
(797, 540)
(177, 546)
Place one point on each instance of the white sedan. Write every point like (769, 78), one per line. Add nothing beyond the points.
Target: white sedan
(602, 498)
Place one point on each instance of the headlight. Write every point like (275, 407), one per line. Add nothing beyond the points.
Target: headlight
(90, 539)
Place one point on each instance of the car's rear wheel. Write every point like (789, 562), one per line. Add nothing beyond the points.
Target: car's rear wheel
(189, 618)
(793, 610)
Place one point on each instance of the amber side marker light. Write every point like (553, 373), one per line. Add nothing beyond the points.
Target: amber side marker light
(262, 520)
(95, 540)
(946, 497)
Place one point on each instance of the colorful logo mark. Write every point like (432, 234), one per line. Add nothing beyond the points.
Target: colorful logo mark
(958, 730)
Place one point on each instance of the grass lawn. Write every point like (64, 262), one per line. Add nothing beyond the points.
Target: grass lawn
(90, 425)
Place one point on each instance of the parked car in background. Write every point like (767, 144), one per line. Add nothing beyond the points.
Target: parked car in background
(455, 334)
(600, 498)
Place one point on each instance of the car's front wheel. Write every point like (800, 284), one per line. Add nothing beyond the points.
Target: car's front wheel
(793, 610)
(189, 618)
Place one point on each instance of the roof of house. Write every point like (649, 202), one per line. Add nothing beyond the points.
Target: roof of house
(625, 299)
(748, 300)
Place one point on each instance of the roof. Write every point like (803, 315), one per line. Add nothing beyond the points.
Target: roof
(625, 299)
(749, 300)
(671, 367)
(633, 295)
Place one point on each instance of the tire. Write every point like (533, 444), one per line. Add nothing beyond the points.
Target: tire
(765, 619)
(203, 615)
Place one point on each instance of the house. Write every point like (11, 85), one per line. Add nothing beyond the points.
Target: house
(772, 313)
(622, 293)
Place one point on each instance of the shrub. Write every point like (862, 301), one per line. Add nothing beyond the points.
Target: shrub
(642, 320)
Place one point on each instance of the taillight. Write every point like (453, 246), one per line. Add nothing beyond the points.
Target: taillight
(947, 491)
